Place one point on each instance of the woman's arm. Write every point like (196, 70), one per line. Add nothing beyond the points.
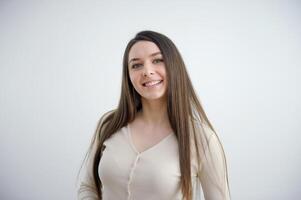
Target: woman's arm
(213, 174)
(87, 189)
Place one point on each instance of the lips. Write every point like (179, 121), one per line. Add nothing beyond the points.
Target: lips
(152, 83)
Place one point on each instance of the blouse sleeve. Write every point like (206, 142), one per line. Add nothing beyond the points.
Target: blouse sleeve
(213, 173)
(87, 189)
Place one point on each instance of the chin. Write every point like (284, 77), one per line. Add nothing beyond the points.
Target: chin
(153, 97)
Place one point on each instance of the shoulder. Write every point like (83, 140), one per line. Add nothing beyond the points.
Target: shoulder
(202, 130)
(203, 140)
(104, 117)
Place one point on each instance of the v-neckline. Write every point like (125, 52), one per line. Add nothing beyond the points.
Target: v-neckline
(148, 149)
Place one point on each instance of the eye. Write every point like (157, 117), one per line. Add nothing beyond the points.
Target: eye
(134, 66)
(158, 60)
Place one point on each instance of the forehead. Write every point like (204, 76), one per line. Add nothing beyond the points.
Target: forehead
(143, 49)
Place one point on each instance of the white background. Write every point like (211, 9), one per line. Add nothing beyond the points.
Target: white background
(60, 70)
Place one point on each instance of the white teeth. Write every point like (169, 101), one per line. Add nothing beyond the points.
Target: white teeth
(151, 83)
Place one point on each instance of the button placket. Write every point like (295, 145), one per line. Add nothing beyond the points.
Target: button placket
(131, 176)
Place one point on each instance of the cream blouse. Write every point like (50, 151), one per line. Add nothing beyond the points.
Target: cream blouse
(153, 174)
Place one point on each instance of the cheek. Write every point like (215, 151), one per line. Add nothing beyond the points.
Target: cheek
(134, 79)
(164, 75)
(163, 72)
(131, 76)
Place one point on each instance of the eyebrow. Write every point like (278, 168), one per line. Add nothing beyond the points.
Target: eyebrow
(153, 54)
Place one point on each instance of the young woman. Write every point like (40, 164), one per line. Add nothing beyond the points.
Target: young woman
(158, 144)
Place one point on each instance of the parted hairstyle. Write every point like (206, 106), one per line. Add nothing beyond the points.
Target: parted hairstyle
(185, 111)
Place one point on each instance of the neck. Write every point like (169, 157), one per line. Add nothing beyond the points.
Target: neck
(154, 112)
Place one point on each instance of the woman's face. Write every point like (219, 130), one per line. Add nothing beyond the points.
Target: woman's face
(147, 70)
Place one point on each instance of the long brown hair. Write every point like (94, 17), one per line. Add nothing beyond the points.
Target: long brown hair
(183, 107)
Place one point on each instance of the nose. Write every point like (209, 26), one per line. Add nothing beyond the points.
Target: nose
(148, 70)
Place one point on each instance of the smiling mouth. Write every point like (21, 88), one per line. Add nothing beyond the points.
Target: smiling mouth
(152, 83)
